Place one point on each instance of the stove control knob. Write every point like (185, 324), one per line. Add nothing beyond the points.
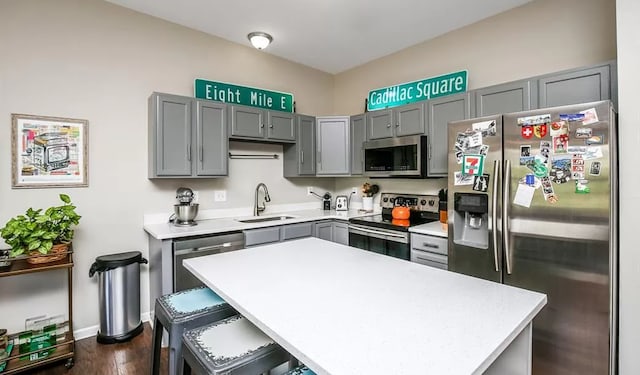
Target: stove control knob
(385, 199)
(432, 202)
(423, 202)
(392, 200)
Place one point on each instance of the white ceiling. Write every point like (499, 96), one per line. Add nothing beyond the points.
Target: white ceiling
(329, 35)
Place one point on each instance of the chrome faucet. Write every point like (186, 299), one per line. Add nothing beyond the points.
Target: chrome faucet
(256, 208)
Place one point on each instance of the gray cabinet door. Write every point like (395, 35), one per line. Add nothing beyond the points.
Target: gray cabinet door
(299, 159)
(332, 145)
(211, 139)
(254, 237)
(505, 98)
(440, 111)
(379, 124)
(324, 230)
(341, 232)
(170, 130)
(293, 231)
(306, 145)
(247, 122)
(358, 136)
(409, 119)
(575, 86)
(281, 126)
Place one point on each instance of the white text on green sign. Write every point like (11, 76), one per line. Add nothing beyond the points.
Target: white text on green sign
(424, 89)
(250, 96)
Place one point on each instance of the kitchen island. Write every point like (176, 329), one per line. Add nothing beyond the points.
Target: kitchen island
(345, 311)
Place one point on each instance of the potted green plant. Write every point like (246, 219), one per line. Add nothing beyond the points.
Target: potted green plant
(41, 233)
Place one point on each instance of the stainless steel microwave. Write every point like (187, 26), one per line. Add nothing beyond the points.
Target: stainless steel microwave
(396, 157)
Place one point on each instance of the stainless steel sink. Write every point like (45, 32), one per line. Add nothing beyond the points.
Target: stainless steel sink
(263, 219)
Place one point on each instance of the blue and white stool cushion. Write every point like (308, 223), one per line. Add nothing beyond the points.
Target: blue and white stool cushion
(187, 303)
(300, 370)
(232, 345)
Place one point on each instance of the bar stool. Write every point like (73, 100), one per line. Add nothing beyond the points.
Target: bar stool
(179, 312)
(232, 346)
(300, 370)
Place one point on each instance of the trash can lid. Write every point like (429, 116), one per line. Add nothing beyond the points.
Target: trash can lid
(111, 261)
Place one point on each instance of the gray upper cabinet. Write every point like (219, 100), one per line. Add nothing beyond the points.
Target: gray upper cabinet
(409, 119)
(281, 126)
(396, 122)
(260, 124)
(576, 86)
(187, 137)
(505, 98)
(211, 139)
(332, 146)
(379, 124)
(439, 112)
(358, 136)
(300, 158)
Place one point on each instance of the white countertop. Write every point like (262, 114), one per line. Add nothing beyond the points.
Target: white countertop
(167, 230)
(432, 229)
(345, 311)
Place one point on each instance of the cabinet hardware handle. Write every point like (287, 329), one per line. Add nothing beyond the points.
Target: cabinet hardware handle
(430, 245)
(261, 126)
(271, 126)
(388, 125)
(397, 125)
(189, 152)
(302, 156)
(201, 153)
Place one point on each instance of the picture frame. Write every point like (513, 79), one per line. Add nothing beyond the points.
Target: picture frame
(48, 152)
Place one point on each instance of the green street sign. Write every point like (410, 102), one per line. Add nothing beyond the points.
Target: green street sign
(411, 92)
(228, 93)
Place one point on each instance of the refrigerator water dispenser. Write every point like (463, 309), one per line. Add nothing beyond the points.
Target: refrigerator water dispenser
(471, 220)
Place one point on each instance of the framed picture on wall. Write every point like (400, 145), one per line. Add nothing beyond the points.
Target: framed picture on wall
(48, 152)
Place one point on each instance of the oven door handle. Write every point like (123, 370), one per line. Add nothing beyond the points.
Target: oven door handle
(403, 238)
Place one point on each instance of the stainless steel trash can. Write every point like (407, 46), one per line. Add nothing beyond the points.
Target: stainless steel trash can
(119, 293)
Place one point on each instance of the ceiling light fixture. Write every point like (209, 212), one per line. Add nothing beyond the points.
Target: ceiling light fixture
(259, 39)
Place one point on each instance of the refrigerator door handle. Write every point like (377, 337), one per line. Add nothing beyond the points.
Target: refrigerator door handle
(505, 214)
(494, 208)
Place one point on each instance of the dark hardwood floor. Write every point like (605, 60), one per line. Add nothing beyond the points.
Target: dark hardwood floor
(130, 358)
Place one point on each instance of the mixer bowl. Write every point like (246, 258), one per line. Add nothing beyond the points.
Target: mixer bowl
(185, 212)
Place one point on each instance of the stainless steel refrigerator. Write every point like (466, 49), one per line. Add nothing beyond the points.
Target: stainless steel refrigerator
(532, 202)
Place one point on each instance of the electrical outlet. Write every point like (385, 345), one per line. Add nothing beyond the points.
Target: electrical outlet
(309, 190)
(220, 195)
(196, 196)
(354, 190)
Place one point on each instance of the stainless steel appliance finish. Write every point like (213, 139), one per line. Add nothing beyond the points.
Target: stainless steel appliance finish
(197, 247)
(396, 157)
(342, 203)
(564, 246)
(256, 207)
(185, 214)
(118, 296)
(382, 234)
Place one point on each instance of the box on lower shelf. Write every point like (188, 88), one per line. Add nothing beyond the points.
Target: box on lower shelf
(38, 352)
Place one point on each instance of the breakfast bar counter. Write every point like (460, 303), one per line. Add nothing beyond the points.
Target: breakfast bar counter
(345, 311)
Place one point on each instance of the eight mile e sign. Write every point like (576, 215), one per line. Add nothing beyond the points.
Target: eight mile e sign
(234, 94)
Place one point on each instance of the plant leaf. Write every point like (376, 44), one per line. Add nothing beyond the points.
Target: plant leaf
(65, 198)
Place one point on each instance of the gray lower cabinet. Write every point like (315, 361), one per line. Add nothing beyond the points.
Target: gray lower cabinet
(429, 250)
(324, 230)
(575, 86)
(261, 124)
(300, 158)
(358, 136)
(187, 137)
(396, 122)
(262, 236)
(333, 147)
(332, 230)
(505, 98)
(341, 232)
(439, 112)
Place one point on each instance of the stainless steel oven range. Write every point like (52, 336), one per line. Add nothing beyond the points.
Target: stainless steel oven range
(382, 234)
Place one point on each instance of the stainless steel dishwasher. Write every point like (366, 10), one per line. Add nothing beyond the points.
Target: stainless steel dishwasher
(197, 247)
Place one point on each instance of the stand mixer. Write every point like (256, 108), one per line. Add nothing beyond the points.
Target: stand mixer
(184, 212)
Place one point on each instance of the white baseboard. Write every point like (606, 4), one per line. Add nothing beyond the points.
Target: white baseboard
(83, 333)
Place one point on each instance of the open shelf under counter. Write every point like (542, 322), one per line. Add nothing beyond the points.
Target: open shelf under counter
(20, 266)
